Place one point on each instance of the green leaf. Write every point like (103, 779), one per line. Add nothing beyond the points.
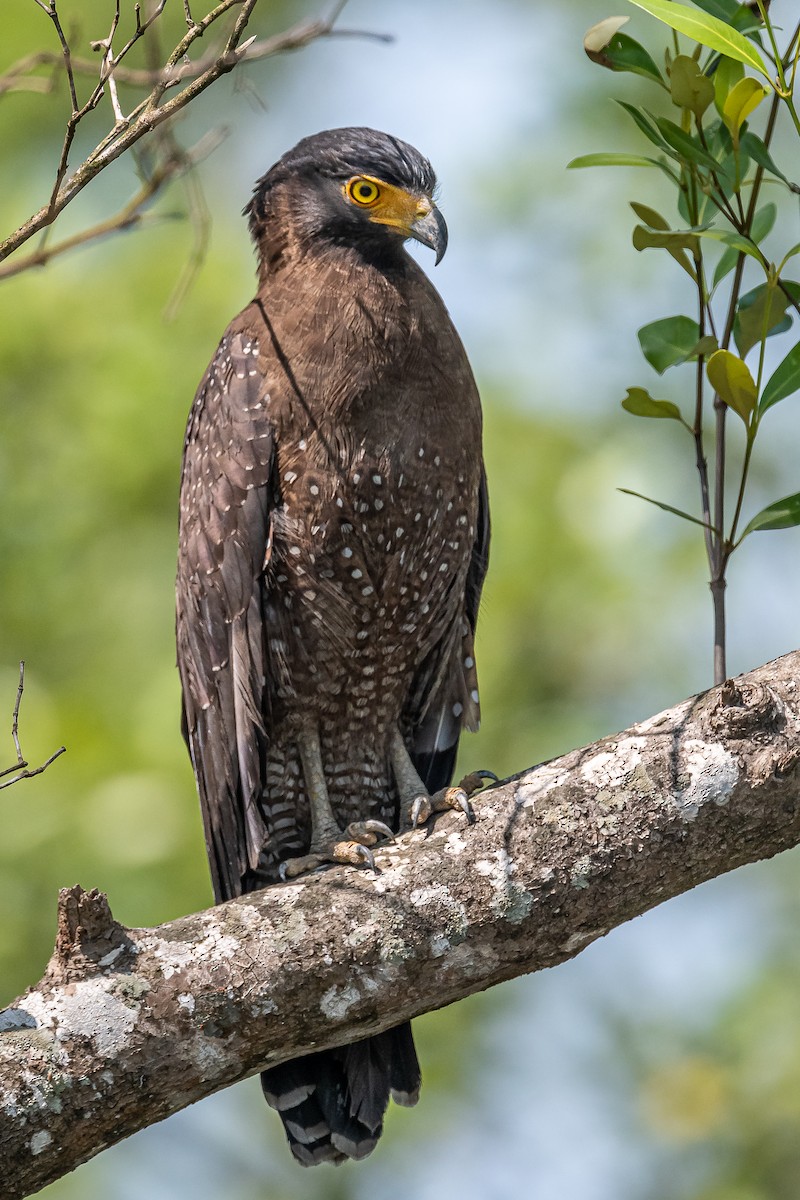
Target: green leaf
(709, 31)
(623, 53)
(647, 239)
(783, 514)
(784, 381)
(669, 341)
(668, 508)
(735, 240)
(707, 346)
(649, 215)
(687, 147)
(763, 222)
(733, 383)
(598, 36)
(759, 314)
(646, 125)
(725, 10)
(728, 73)
(789, 254)
(654, 220)
(741, 102)
(609, 159)
(639, 402)
(725, 265)
(689, 87)
(747, 20)
(762, 225)
(753, 146)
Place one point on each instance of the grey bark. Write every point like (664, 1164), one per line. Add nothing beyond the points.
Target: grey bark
(130, 1025)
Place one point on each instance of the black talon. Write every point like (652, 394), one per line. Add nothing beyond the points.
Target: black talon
(366, 855)
(487, 775)
(462, 801)
(417, 806)
(378, 827)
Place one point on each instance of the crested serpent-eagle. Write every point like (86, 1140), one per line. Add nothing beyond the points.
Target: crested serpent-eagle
(334, 533)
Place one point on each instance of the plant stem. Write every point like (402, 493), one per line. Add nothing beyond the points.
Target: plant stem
(722, 549)
(697, 429)
(718, 597)
(730, 544)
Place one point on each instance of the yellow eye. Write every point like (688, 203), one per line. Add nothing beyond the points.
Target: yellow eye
(362, 191)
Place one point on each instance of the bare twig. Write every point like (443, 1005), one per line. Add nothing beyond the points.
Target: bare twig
(66, 53)
(107, 68)
(21, 765)
(20, 76)
(184, 79)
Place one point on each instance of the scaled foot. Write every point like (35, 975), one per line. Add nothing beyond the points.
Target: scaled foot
(351, 848)
(423, 805)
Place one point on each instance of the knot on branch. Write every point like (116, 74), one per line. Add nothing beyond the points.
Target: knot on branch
(740, 709)
(88, 937)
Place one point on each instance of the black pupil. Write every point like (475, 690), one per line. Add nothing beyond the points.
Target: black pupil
(364, 191)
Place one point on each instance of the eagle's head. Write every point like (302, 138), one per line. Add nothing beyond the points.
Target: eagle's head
(355, 187)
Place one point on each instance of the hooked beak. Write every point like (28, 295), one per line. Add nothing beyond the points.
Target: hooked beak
(431, 230)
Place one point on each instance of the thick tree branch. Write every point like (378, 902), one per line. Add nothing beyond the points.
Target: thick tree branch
(128, 1026)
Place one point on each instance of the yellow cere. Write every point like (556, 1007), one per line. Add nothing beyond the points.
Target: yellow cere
(387, 204)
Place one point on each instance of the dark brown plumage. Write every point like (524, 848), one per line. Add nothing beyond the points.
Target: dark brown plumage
(333, 543)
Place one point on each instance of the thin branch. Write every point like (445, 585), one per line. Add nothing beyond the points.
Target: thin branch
(21, 767)
(108, 63)
(178, 162)
(559, 856)
(66, 53)
(155, 109)
(20, 76)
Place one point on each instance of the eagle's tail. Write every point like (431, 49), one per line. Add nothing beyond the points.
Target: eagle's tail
(332, 1103)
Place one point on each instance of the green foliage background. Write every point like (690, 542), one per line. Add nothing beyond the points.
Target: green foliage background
(589, 621)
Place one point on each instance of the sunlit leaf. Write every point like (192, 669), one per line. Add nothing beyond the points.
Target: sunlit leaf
(689, 87)
(783, 514)
(733, 383)
(760, 313)
(709, 31)
(741, 102)
(783, 382)
(639, 402)
(669, 341)
(728, 73)
(668, 508)
(610, 159)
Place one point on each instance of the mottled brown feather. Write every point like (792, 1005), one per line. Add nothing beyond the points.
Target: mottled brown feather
(333, 542)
